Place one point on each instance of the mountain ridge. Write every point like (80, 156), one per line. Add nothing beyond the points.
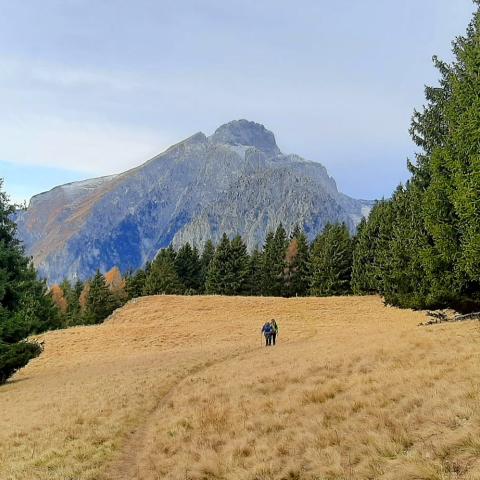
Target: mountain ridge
(235, 181)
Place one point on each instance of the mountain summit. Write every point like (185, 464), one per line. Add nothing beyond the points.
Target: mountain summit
(236, 181)
(246, 133)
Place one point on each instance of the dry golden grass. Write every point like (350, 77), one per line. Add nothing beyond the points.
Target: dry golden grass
(180, 388)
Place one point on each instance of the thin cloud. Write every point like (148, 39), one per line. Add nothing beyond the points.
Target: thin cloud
(98, 149)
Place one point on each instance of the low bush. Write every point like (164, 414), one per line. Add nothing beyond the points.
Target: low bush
(15, 356)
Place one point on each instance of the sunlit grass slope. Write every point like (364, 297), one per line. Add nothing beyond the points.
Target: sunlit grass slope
(181, 388)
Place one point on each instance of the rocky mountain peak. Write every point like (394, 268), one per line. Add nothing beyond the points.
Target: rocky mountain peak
(244, 132)
(192, 192)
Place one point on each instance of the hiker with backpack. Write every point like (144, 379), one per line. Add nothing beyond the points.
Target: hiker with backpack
(267, 331)
(274, 325)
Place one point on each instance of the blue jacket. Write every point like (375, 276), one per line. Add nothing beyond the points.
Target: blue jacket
(267, 329)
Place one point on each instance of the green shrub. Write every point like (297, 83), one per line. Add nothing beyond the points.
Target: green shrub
(15, 356)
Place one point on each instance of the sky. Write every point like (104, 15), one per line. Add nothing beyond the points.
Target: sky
(94, 87)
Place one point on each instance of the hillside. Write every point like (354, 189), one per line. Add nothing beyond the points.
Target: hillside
(235, 181)
(180, 387)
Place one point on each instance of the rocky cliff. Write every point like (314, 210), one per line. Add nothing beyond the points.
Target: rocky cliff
(235, 181)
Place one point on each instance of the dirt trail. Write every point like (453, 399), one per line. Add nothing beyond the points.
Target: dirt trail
(127, 465)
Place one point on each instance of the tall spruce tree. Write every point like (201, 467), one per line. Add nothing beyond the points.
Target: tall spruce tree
(331, 260)
(433, 253)
(162, 278)
(219, 275)
(25, 305)
(100, 301)
(239, 266)
(254, 282)
(74, 314)
(403, 279)
(206, 258)
(274, 263)
(452, 207)
(268, 272)
(135, 284)
(189, 268)
(372, 249)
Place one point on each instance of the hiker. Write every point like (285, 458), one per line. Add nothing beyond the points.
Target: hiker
(274, 325)
(267, 330)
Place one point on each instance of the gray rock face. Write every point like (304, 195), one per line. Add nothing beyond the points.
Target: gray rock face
(236, 181)
(250, 134)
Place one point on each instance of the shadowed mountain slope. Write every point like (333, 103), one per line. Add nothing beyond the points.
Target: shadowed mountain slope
(235, 181)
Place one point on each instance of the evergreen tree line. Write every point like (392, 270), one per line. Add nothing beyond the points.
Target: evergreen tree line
(421, 248)
(286, 266)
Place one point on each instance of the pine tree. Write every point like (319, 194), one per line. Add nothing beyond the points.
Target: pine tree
(254, 279)
(238, 267)
(189, 268)
(205, 260)
(219, 278)
(72, 294)
(274, 263)
(26, 307)
(447, 175)
(135, 284)
(100, 301)
(331, 258)
(268, 272)
(163, 278)
(404, 277)
(372, 249)
(456, 169)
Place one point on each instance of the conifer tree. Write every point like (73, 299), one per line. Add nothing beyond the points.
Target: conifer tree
(451, 203)
(100, 301)
(431, 258)
(268, 272)
(254, 281)
(229, 270)
(72, 294)
(331, 259)
(403, 278)
(135, 284)
(372, 249)
(239, 267)
(26, 307)
(189, 268)
(219, 279)
(274, 263)
(205, 260)
(163, 278)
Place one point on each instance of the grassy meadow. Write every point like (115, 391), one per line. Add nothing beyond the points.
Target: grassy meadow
(181, 388)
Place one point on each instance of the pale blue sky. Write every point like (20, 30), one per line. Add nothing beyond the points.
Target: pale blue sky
(93, 87)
